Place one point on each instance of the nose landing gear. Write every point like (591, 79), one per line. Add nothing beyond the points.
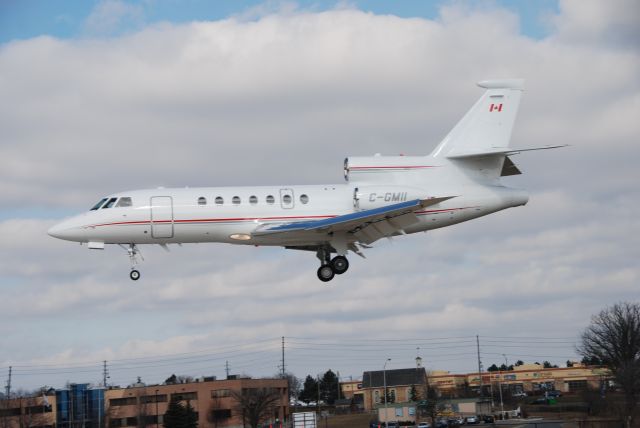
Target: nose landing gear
(133, 252)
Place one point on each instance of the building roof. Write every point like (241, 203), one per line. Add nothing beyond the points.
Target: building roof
(397, 377)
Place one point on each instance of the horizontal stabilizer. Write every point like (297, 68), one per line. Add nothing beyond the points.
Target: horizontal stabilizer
(494, 151)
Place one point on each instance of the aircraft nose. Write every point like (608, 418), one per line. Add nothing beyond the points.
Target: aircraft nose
(57, 231)
(64, 230)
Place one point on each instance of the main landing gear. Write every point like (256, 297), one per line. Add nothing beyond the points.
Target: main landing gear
(330, 267)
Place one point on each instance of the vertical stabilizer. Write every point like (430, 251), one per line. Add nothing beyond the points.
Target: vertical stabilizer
(486, 128)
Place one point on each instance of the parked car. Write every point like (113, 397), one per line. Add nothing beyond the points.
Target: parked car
(519, 394)
(472, 420)
(453, 422)
(488, 419)
(393, 424)
(424, 425)
(541, 400)
(441, 423)
(553, 394)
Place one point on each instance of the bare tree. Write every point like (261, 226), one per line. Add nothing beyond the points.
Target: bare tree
(213, 415)
(613, 338)
(433, 405)
(257, 405)
(295, 385)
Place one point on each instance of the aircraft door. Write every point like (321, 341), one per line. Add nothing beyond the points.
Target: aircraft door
(161, 217)
(286, 198)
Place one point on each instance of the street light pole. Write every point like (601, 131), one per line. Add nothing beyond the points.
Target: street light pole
(384, 381)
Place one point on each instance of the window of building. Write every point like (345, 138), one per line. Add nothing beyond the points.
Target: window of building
(304, 199)
(99, 204)
(202, 200)
(220, 414)
(220, 393)
(253, 199)
(235, 200)
(124, 202)
(392, 395)
(399, 412)
(271, 200)
(125, 401)
(219, 200)
(376, 396)
(110, 203)
(577, 385)
(160, 398)
(185, 396)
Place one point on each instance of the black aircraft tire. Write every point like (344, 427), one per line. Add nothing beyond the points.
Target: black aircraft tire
(325, 273)
(340, 264)
(134, 275)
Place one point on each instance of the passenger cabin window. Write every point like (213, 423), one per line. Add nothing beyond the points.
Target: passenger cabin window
(202, 200)
(304, 199)
(99, 204)
(253, 200)
(271, 200)
(219, 200)
(110, 203)
(286, 199)
(235, 200)
(125, 201)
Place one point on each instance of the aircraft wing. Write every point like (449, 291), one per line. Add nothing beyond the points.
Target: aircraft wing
(366, 226)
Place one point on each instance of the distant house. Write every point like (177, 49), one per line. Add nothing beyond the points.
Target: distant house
(399, 384)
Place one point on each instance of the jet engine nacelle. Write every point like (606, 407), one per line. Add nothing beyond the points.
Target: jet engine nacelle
(368, 197)
(383, 169)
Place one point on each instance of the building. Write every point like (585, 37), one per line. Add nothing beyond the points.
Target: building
(399, 384)
(36, 412)
(214, 402)
(525, 378)
(352, 390)
(79, 405)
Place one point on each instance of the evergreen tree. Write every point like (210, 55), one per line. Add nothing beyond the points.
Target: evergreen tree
(174, 416)
(180, 416)
(190, 416)
(309, 390)
(329, 385)
(413, 394)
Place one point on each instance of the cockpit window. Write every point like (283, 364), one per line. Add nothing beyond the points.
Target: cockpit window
(98, 205)
(110, 203)
(125, 201)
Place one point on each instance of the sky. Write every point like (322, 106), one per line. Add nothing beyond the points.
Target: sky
(105, 96)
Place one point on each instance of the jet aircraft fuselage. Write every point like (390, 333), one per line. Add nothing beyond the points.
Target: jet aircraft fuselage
(383, 196)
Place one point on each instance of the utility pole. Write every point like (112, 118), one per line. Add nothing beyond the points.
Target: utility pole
(479, 366)
(9, 384)
(283, 370)
(226, 368)
(105, 374)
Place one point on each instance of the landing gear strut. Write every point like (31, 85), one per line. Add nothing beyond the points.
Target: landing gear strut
(133, 252)
(330, 267)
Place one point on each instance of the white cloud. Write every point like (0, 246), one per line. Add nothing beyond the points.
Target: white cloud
(283, 97)
(111, 16)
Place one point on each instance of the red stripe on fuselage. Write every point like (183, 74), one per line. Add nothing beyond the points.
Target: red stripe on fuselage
(215, 220)
(391, 167)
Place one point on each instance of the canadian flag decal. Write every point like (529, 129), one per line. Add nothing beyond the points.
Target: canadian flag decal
(495, 107)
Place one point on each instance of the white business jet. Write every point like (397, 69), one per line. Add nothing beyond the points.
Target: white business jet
(383, 196)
